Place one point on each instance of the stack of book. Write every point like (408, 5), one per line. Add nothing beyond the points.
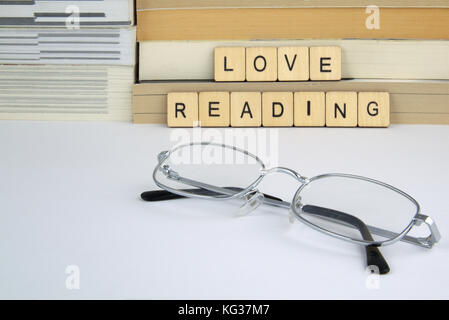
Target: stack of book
(67, 60)
(400, 47)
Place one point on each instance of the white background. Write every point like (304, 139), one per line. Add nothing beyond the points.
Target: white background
(69, 195)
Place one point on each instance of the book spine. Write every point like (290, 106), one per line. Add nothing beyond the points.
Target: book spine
(211, 4)
(292, 23)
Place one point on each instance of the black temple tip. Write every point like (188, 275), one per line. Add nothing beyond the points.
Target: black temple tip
(375, 258)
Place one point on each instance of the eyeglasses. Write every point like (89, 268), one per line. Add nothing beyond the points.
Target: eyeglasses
(353, 208)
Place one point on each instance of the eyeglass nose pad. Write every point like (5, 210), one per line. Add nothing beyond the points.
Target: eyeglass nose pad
(291, 213)
(291, 216)
(253, 200)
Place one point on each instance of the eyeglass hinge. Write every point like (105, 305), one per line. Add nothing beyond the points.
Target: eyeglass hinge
(434, 236)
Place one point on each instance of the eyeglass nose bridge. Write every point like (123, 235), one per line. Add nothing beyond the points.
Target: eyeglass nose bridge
(288, 171)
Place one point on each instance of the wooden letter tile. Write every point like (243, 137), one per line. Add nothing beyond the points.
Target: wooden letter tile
(229, 64)
(182, 109)
(277, 109)
(246, 109)
(309, 109)
(374, 109)
(325, 63)
(293, 63)
(214, 109)
(341, 109)
(261, 64)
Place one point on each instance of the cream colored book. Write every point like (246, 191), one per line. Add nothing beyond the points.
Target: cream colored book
(371, 59)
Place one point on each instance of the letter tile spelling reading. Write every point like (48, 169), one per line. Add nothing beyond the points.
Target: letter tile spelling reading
(374, 109)
(278, 109)
(182, 109)
(309, 109)
(214, 109)
(341, 109)
(246, 109)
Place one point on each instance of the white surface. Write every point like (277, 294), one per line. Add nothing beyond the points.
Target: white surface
(69, 195)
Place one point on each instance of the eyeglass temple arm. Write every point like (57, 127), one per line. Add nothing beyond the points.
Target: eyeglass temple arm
(162, 195)
(419, 219)
(373, 255)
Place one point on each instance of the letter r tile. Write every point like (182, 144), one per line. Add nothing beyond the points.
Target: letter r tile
(182, 109)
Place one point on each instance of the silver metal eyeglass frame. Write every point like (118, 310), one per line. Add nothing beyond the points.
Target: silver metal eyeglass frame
(228, 194)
